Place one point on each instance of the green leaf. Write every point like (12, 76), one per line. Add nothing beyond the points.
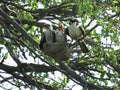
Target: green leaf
(6, 55)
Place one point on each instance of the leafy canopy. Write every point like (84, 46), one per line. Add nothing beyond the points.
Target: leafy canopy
(23, 65)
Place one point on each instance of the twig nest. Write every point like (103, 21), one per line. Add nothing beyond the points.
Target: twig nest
(57, 50)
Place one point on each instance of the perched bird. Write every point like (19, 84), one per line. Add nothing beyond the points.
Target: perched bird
(75, 31)
(59, 35)
(63, 49)
(54, 44)
(48, 36)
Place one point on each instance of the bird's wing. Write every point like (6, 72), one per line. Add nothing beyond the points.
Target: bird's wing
(53, 33)
(42, 41)
(65, 37)
(66, 31)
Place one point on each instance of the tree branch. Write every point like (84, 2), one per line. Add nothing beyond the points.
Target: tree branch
(18, 27)
(73, 74)
(32, 81)
(80, 39)
(28, 67)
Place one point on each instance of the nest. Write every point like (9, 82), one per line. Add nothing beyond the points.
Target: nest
(57, 50)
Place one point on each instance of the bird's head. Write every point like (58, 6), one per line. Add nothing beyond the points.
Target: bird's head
(47, 26)
(61, 27)
(74, 21)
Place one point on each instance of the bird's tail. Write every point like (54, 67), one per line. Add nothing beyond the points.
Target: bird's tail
(83, 47)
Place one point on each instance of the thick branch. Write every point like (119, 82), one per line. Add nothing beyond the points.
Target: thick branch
(27, 68)
(18, 27)
(31, 81)
(74, 75)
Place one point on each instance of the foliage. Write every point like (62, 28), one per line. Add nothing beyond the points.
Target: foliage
(23, 65)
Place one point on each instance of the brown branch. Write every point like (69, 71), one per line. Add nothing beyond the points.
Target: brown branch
(18, 27)
(89, 22)
(76, 77)
(31, 81)
(116, 68)
(31, 50)
(28, 67)
(7, 80)
(12, 70)
(117, 14)
(19, 7)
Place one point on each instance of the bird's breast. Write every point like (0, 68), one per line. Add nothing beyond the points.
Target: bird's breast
(49, 36)
(59, 36)
(74, 32)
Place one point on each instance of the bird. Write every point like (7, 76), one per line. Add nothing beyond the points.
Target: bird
(54, 43)
(61, 45)
(75, 32)
(47, 42)
(48, 36)
(59, 35)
